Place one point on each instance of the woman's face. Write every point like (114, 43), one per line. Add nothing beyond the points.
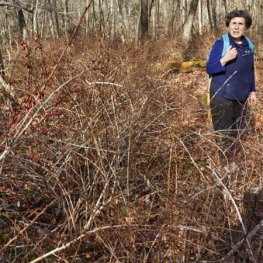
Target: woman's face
(237, 27)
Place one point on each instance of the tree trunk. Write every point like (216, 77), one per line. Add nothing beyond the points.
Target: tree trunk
(171, 22)
(7, 89)
(113, 18)
(22, 23)
(225, 6)
(94, 15)
(65, 15)
(2, 66)
(214, 15)
(102, 20)
(56, 18)
(35, 11)
(144, 19)
(187, 27)
(154, 21)
(209, 14)
(124, 32)
(200, 16)
(179, 17)
(260, 38)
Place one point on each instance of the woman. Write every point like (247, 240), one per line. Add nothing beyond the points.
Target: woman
(232, 81)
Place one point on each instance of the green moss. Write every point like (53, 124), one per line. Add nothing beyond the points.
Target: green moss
(202, 97)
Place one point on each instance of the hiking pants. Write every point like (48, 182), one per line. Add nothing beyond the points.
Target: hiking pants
(228, 119)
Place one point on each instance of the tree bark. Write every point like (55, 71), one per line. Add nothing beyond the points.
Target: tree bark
(22, 23)
(154, 21)
(65, 15)
(214, 15)
(209, 14)
(56, 18)
(200, 16)
(125, 34)
(35, 20)
(260, 37)
(171, 22)
(143, 32)
(187, 27)
(2, 66)
(113, 18)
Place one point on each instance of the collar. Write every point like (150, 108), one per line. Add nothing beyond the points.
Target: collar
(232, 40)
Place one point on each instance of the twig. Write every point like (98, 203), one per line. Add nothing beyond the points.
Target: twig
(104, 83)
(237, 210)
(20, 129)
(52, 252)
(27, 226)
(239, 244)
(189, 154)
(157, 236)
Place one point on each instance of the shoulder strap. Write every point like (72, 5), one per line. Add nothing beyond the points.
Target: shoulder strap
(226, 44)
(250, 44)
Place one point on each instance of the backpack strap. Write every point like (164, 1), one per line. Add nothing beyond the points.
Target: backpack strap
(250, 43)
(226, 44)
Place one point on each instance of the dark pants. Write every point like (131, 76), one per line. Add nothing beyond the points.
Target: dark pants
(228, 118)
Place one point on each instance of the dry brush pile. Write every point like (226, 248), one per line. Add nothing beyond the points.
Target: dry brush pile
(107, 158)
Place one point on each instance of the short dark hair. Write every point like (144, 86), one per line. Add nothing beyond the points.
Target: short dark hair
(239, 13)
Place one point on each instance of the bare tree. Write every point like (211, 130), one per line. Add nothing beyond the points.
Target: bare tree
(209, 13)
(171, 22)
(200, 15)
(260, 35)
(214, 16)
(143, 20)
(22, 23)
(65, 21)
(134, 19)
(56, 18)
(187, 27)
(35, 12)
(113, 18)
(155, 11)
(2, 67)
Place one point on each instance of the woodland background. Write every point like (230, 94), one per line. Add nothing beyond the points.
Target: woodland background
(106, 150)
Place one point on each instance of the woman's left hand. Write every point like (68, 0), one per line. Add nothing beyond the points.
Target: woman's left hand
(252, 98)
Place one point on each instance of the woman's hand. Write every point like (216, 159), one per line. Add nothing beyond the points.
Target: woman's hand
(252, 98)
(231, 54)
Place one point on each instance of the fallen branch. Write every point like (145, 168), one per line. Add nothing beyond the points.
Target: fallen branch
(239, 216)
(239, 244)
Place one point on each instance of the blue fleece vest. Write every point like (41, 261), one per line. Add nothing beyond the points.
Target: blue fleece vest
(236, 82)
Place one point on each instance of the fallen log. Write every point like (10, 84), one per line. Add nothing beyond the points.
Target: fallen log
(186, 66)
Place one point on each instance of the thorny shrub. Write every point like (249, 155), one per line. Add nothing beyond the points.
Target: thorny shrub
(113, 159)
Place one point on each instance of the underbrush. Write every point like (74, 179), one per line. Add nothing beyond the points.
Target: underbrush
(106, 157)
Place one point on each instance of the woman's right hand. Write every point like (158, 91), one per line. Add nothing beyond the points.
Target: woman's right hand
(231, 54)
